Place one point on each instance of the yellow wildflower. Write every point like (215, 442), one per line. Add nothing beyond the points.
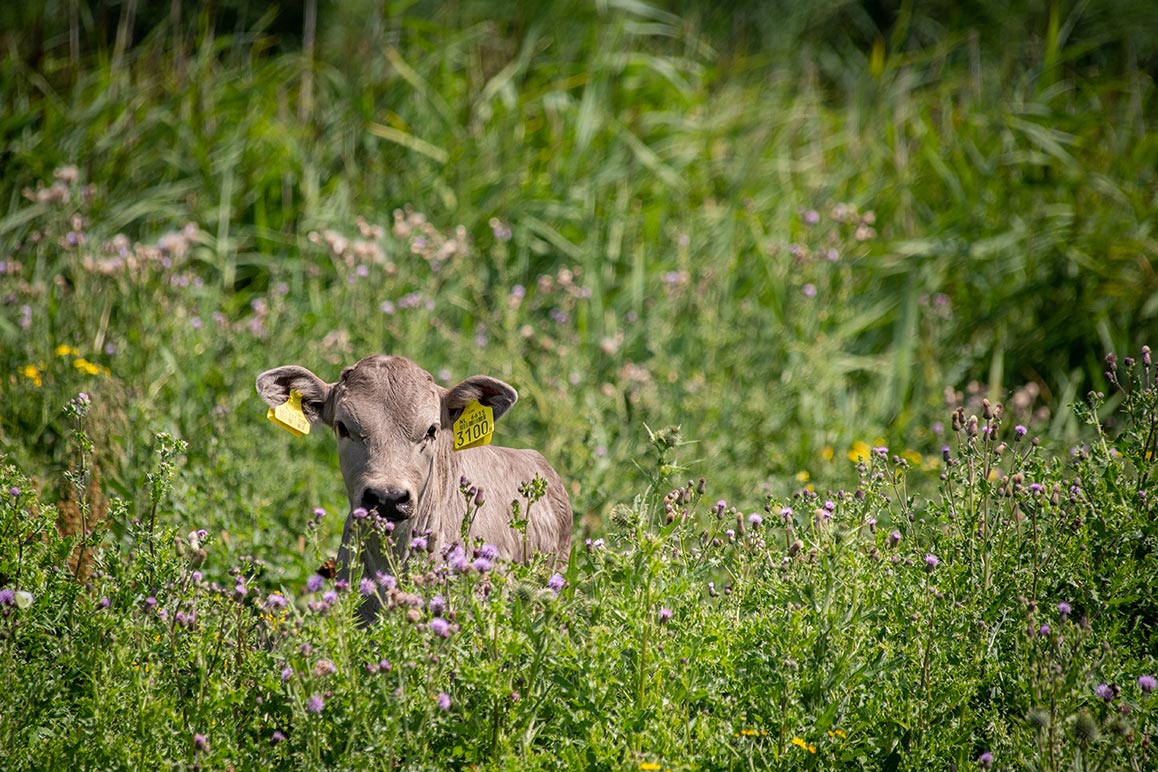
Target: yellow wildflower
(65, 350)
(651, 765)
(800, 743)
(803, 476)
(32, 373)
(827, 453)
(860, 451)
(88, 368)
(912, 456)
(836, 733)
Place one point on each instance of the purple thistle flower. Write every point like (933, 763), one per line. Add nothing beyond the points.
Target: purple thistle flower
(489, 551)
(443, 701)
(287, 673)
(103, 603)
(200, 742)
(440, 627)
(1104, 692)
(1044, 631)
(150, 603)
(315, 582)
(830, 506)
(1019, 431)
(360, 513)
(386, 580)
(239, 589)
(931, 561)
(14, 492)
(276, 602)
(418, 544)
(786, 513)
(315, 703)
(755, 520)
(1064, 610)
(437, 605)
(367, 587)
(894, 538)
(481, 564)
(556, 583)
(324, 667)
(7, 597)
(1147, 683)
(985, 760)
(330, 597)
(277, 737)
(664, 615)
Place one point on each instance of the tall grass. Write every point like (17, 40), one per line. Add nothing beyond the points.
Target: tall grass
(642, 217)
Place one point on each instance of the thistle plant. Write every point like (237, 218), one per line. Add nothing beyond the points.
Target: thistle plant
(167, 449)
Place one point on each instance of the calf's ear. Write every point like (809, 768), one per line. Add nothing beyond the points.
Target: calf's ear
(492, 392)
(275, 386)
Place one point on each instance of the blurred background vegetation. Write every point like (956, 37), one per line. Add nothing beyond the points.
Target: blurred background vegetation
(791, 228)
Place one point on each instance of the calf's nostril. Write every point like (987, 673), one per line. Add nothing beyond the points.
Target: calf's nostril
(391, 503)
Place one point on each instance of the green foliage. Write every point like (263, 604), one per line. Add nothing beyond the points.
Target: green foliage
(786, 238)
(1009, 613)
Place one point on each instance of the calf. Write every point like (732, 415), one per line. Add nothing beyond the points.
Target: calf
(395, 428)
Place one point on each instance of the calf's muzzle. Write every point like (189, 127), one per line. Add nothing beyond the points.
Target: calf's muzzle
(394, 504)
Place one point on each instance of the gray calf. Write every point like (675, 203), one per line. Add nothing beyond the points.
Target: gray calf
(394, 429)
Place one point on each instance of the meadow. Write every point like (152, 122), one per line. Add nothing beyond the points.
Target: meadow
(833, 320)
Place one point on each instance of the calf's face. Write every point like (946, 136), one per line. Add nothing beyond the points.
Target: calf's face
(392, 423)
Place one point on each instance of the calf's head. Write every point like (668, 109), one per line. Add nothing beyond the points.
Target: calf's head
(392, 422)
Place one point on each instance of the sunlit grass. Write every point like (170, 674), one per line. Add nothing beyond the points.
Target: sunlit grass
(828, 271)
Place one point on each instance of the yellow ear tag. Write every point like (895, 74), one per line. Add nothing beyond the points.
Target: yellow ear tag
(474, 427)
(289, 415)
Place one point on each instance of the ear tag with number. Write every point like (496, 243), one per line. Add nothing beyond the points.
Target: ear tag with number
(474, 427)
(289, 415)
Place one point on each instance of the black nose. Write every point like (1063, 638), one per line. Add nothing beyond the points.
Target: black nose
(390, 503)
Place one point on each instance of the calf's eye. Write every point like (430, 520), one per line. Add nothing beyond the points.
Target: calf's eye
(432, 431)
(343, 432)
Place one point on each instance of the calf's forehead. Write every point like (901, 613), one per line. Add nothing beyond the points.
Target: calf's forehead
(385, 389)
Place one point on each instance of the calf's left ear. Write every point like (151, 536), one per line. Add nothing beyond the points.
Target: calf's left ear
(492, 392)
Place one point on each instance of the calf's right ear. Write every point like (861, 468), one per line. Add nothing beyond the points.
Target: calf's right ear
(275, 386)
